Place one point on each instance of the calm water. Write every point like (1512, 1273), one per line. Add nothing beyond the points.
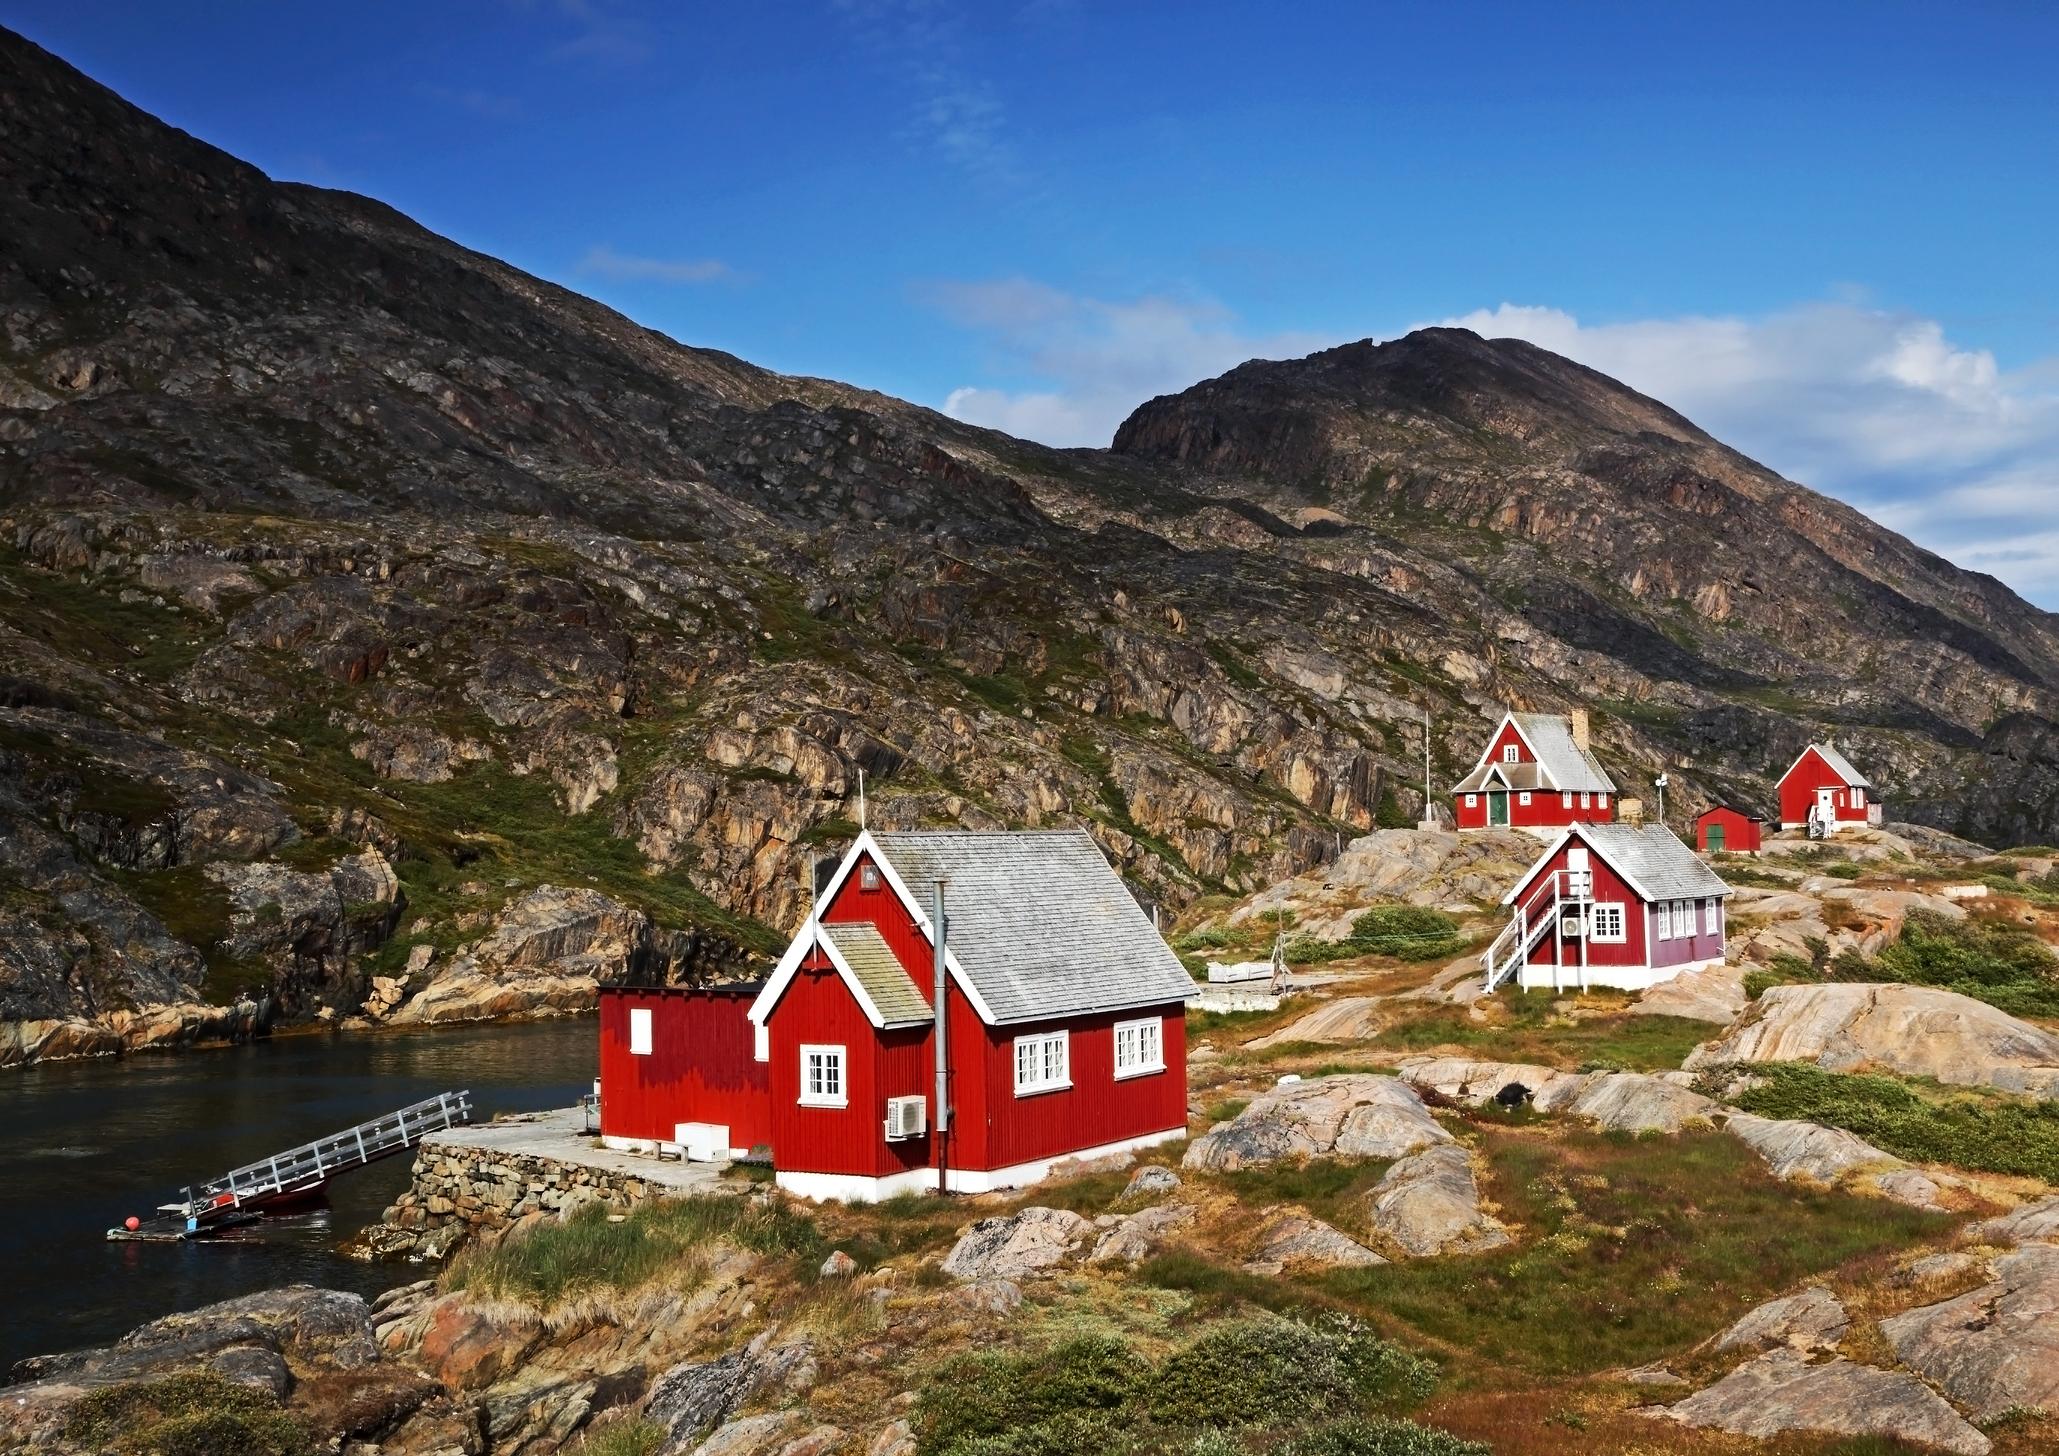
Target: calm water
(84, 1145)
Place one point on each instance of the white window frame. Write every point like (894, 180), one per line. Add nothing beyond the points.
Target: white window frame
(1043, 1063)
(1472, 801)
(1566, 800)
(1145, 1041)
(1601, 801)
(1523, 797)
(816, 1092)
(1858, 798)
(1664, 910)
(1587, 798)
(639, 1031)
(868, 876)
(1510, 753)
(1709, 913)
(1604, 911)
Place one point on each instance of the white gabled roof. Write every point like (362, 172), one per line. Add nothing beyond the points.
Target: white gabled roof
(1562, 765)
(1839, 764)
(1650, 857)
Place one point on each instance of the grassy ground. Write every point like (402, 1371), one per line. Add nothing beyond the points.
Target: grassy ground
(1630, 1249)
(1594, 1029)
(1921, 1121)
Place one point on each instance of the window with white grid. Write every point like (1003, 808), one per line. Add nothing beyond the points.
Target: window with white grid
(1139, 1047)
(1042, 1063)
(822, 1077)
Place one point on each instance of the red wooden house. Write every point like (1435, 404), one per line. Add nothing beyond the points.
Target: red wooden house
(1620, 905)
(1722, 829)
(1538, 771)
(1823, 793)
(1063, 1017)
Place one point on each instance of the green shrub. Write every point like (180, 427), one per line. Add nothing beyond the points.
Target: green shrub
(2004, 965)
(1096, 1396)
(1205, 940)
(194, 1414)
(626, 1438)
(1843, 870)
(587, 1251)
(1971, 1130)
(1378, 1437)
(1406, 932)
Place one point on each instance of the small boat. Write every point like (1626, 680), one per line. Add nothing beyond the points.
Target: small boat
(167, 1228)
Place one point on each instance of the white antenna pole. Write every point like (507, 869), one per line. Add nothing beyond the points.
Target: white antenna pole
(861, 798)
(1426, 764)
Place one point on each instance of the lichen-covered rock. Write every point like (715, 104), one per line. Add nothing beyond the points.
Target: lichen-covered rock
(692, 1399)
(1916, 1031)
(1429, 1203)
(1814, 1319)
(1016, 1246)
(1995, 1348)
(1296, 1239)
(1781, 1391)
(1151, 1181)
(1808, 1151)
(1136, 1237)
(1617, 1101)
(2034, 1222)
(1351, 1116)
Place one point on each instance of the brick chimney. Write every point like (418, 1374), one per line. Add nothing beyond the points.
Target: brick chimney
(1580, 733)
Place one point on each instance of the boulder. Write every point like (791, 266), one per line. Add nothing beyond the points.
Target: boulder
(1714, 993)
(751, 1436)
(1917, 1031)
(838, 1265)
(1150, 1181)
(2035, 1222)
(1781, 1391)
(1346, 1019)
(1994, 1348)
(1618, 1101)
(1351, 1116)
(1814, 1319)
(1294, 1238)
(988, 1296)
(1016, 1246)
(1136, 1238)
(691, 1399)
(1806, 1151)
(1936, 1268)
(1429, 1203)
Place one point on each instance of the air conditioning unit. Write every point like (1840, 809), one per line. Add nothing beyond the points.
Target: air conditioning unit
(1572, 926)
(907, 1117)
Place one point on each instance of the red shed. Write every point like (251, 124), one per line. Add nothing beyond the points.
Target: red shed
(1620, 905)
(1538, 771)
(1063, 1018)
(678, 1065)
(1823, 793)
(1722, 829)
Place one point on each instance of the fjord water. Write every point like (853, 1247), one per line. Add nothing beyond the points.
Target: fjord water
(83, 1145)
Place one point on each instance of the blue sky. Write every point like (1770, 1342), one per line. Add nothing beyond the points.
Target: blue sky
(1824, 232)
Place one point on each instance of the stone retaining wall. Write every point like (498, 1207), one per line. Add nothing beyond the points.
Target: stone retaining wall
(457, 1191)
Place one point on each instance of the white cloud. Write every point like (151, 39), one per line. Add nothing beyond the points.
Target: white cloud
(1932, 438)
(604, 262)
(1090, 361)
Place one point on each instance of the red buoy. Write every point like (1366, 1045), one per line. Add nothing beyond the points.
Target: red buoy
(132, 1223)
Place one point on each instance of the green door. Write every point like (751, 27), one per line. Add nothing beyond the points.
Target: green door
(1715, 839)
(1498, 808)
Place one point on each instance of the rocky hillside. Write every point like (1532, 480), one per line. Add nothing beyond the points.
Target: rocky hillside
(384, 631)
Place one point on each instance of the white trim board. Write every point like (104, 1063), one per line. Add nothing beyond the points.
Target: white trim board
(858, 1188)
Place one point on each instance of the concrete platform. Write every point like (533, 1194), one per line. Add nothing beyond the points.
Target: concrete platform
(561, 1136)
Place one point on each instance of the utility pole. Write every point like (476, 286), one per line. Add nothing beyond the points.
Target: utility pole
(1660, 784)
(861, 798)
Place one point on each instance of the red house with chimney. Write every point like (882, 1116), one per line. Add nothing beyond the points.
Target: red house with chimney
(1620, 905)
(1061, 1014)
(1822, 793)
(1538, 771)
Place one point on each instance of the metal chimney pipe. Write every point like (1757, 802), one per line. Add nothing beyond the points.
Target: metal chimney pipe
(938, 930)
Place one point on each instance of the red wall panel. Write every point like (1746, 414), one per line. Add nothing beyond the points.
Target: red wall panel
(700, 1067)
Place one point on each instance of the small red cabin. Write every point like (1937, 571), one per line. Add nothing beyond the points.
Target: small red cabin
(1063, 1022)
(1538, 771)
(1822, 793)
(1620, 905)
(1722, 829)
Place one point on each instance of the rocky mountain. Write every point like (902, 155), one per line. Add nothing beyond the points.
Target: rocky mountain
(384, 631)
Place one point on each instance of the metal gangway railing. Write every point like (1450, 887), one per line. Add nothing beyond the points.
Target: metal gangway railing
(1543, 913)
(309, 1166)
